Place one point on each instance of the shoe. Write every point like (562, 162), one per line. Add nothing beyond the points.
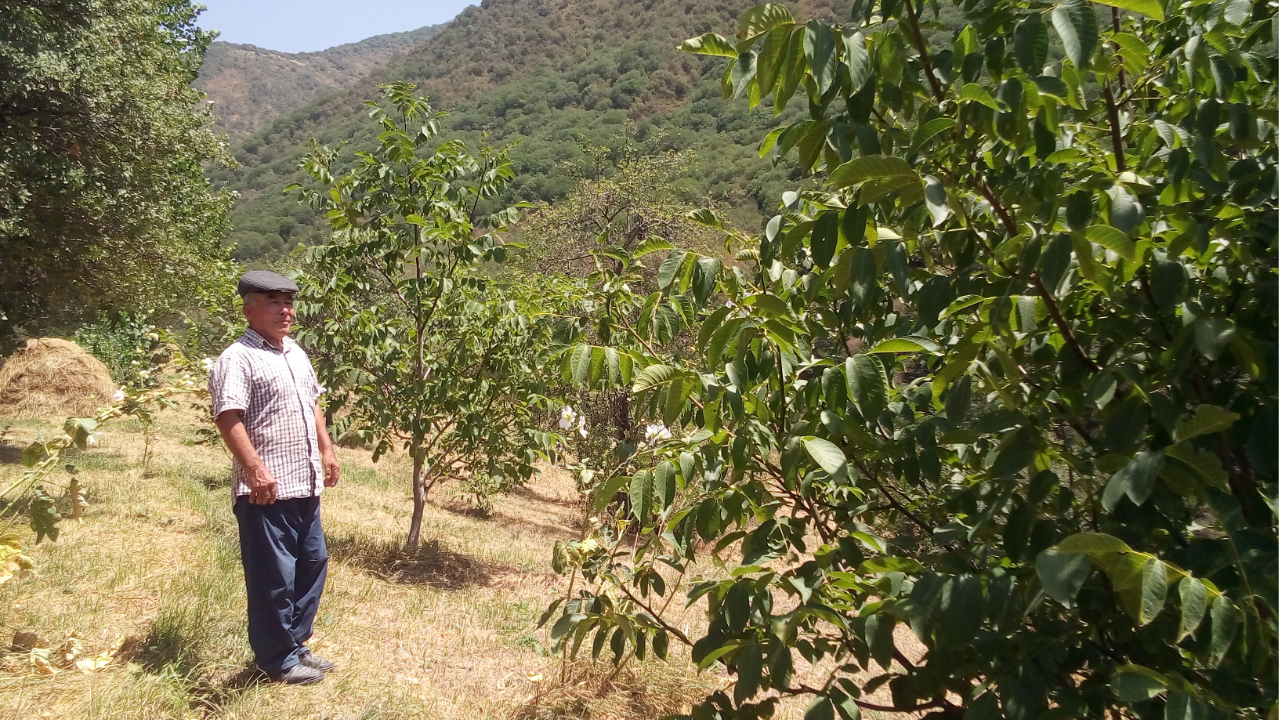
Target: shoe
(306, 657)
(298, 675)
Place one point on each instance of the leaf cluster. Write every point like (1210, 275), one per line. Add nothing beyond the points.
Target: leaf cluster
(1006, 378)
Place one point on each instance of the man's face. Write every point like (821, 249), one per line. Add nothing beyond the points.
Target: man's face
(269, 314)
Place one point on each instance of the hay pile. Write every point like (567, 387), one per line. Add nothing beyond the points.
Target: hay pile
(52, 378)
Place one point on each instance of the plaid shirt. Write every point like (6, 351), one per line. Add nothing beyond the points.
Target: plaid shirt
(277, 392)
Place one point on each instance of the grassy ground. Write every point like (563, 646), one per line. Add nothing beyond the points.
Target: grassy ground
(448, 633)
(154, 570)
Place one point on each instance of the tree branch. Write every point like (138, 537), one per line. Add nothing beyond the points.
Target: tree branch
(1113, 119)
(923, 49)
(656, 617)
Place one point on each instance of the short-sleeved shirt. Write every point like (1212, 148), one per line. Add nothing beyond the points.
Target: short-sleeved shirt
(276, 390)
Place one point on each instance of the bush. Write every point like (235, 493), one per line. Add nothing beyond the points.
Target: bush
(1006, 377)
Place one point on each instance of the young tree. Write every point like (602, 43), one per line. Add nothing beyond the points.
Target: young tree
(1009, 377)
(104, 202)
(413, 338)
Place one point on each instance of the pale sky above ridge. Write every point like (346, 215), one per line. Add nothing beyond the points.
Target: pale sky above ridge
(311, 25)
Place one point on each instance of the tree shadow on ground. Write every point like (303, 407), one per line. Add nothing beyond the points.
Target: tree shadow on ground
(210, 697)
(528, 493)
(431, 564)
(463, 508)
(597, 690)
(552, 530)
(161, 650)
(214, 479)
(10, 454)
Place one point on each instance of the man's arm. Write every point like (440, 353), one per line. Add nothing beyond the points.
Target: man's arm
(327, 456)
(262, 486)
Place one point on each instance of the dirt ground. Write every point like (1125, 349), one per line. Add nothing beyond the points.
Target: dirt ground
(151, 581)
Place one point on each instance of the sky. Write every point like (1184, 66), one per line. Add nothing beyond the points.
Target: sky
(311, 25)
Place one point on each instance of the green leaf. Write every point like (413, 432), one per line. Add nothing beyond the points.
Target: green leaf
(750, 666)
(1136, 684)
(1150, 8)
(826, 233)
(761, 19)
(873, 167)
(670, 268)
(1077, 27)
(33, 453)
(972, 92)
(1062, 574)
(651, 244)
(1126, 212)
(605, 493)
(895, 260)
(1167, 281)
(1206, 420)
(1235, 12)
(678, 392)
(1192, 597)
(867, 384)
(906, 345)
(820, 709)
(792, 70)
(769, 64)
(705, 275)
(1136, 479)
(1212, 335)
(1031, 44)
(1225, 619)
(1136, 54)
(935, 199)
(1112, 239)
(580, 363)
(642, 495)
(1205, 464)
(1155, 589)
(820, 53)
(857, 58)
(828, 456)
(655, 376)
(709, 44)
(706, 217)
(927, 131)
(1093, 544)
(665, 483)
(889, 564)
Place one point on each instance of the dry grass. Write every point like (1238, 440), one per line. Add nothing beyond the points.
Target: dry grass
(52, 378)
(443, 633)
(447, 632)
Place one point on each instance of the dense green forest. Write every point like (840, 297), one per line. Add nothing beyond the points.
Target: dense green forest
(540, 74)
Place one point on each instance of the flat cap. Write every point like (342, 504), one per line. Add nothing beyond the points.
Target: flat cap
(265, 281)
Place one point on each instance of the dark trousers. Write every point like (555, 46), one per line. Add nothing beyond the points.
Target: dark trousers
(285, 563)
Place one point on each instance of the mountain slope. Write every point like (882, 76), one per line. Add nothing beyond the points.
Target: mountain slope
(550, 75)
(252, 86)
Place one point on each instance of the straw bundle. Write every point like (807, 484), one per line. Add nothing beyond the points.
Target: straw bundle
(52, 378)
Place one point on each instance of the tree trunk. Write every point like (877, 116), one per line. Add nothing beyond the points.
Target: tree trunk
(419, 502)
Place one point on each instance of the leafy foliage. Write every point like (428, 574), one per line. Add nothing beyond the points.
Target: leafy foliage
(104, 202)
(1008, 377)
(411, 336)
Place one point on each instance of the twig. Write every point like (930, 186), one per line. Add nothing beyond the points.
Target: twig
(657, 618)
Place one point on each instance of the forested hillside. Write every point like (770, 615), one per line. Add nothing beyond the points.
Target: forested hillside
(547, 74)
(251, 86)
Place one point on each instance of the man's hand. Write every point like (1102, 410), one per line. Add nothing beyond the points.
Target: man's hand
(262, 486)
(331, 467)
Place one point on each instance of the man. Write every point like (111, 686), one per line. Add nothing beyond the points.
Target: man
(265, 400)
